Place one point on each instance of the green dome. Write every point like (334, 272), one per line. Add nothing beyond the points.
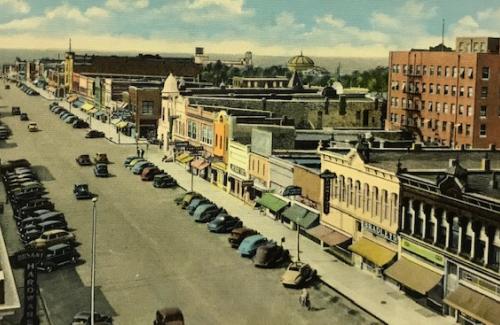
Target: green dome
(300, 62)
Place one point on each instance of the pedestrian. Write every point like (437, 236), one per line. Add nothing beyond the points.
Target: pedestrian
(147, 146)
(304, 299)
(142, 153)
(138, 152)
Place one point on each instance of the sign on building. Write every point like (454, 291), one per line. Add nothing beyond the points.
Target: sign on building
(327, 177)
(292, 190)
(380, 232)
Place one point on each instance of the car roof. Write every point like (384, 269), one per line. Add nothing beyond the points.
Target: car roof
(58, 246)
(45, 223)
(54, 231)
(254, 238)
(51, 213)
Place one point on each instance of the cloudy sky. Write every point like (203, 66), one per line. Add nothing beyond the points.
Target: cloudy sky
(359, 28)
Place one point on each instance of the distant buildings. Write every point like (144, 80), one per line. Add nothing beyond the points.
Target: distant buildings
(447, 97)
(201, 58)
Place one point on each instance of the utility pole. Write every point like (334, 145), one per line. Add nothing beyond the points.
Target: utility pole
(92, 275)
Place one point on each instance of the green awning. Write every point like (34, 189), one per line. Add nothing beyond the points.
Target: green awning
(301, 216)
(271, 202)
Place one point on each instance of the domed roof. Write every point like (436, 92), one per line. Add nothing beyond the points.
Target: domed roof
(170, 85)
(300, 62)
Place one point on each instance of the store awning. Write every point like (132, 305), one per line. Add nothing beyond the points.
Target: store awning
(200, 164)
(375, 253)
(271, 202)
(219, 165)
(78, 103)
(92, 111)
(121, 124)
(87, 107)
(301, 216)
(327, 235)
(413, 276)
(99, 113)
(184, 158)
(474, 304)
(115, 121)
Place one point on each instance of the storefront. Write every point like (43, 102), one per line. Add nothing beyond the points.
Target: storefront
(371, 256)
(471, 307)
(184, 158)
(299, 215)
(271, 205)
(219, 174)
(200, 167)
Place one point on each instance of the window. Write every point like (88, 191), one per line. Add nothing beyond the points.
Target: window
(482, 130)
(461, 109)
(469, 110)
(484, 92)
(485, 73)
(470, 73)
(424, 70)
(445, 108)
(429, 105)
(405, 69)
(462, 73)
(431, 70)
(431, 88)
(453, 109)
(447, 71)
(443, 126)
(482, 111)
(439, 70)
(424, 87)
(147, 108)
(357, 192)
(467, 129)
(462, 91)
(438, 89)
(438, 107)
(459, 128)
(207, 134)
(453, 90)
(385, 204)
(446, 90)
(455, 72)
(419, 69)
(470, 92)
(192, 128)
(376, 201)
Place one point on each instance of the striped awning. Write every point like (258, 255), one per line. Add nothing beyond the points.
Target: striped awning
(87, 107)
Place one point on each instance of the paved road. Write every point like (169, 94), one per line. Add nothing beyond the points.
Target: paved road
(150, 254)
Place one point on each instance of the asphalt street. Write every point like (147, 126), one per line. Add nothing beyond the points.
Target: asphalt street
(150, 254)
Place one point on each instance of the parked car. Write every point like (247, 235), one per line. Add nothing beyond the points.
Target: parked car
(18, 163)
(7, 87)
(34, 205)
(164, 181)
(250, 244)
(70, 119)
(82, 192)
(101, 170)
(169, 316)
(206, 212)
(53, 104)
(83, 160)
(52, 237)
(129, 159)
(139, 167)
(58, 110)
(80, 124)
(270, 255)
(298, 274)
(135, 162)
(16, 110)
(33, 221)
(33, 232)
(196, 203)
(224, 223)
(94, 134)
(149, 173)
(186, 198)
(58, 255)
(239, 234)
(83, 318)
(32, 127)
(101, 158)
(63, 114)
(24, 117)
(4, 133)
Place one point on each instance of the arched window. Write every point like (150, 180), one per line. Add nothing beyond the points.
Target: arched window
(385, 205)
(366, 198)
(342, 189)
(376, 202)
(349, 192)
(335, 191)
(358, 194)
(395, 208)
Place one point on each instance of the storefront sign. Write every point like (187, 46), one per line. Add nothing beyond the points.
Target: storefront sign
(292, 190)
(246, 183)
(181, 144)
(327, 176)
(423, 252)
(194, 149)
(380, 232)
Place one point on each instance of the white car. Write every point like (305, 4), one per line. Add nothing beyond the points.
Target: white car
(32, 127)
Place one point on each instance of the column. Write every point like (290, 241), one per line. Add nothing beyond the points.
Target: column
(460, 232)
(411, 211)
(434, 220)
(486, 239)
(423, 217)
(470, 232)
(446, 225)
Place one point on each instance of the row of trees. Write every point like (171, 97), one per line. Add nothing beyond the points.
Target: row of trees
(373, 79)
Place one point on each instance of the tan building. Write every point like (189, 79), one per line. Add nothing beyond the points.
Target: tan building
(447, 97)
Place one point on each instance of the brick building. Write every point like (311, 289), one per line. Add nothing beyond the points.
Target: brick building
(145, 103)
(447, 97)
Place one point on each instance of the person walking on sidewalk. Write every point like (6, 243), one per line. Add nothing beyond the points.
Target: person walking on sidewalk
(138, 152)
(142, 152)
(304, 299)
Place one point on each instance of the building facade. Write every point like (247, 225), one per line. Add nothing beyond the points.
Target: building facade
(145, 102)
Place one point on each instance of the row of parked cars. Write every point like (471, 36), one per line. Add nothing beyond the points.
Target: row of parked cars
(27, 90)
(67, 116)
(39, 225)
(149, 172)
(250, 243)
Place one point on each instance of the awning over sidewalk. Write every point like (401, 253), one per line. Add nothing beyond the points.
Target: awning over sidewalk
(87, 107)
(271, 202)
(78, 103)
(375, 253)
(219, 166)
(328, 235)
(99, 113)
(92, 111)
(474, 304)
(121, 124)
(184, 158)
(200, 164)
(301, 216)
(413, 276)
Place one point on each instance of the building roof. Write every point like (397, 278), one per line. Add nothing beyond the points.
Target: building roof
(300, 62)
(170, 85)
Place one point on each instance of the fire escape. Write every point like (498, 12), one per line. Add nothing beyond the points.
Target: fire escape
(413, 91)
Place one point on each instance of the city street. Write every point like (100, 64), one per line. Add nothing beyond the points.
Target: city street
(150, 254)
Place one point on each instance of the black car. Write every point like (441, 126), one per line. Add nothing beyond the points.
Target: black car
(83, 318)
(43, 203)
(16, 110)
(82, 192)
(94, 134)
(24, 117)
(83, 160)
(80, 124)
(164, 181)
(57, 109)
(35, 220)
(271, 254)
(58, 255)
(101, 170)
(224, 223)
(32, 232)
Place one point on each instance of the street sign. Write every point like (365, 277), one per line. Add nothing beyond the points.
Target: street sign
(292, 190)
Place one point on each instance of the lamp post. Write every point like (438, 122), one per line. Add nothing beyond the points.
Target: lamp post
(92, 274)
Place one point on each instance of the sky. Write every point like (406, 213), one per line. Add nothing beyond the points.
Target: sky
(330, 28)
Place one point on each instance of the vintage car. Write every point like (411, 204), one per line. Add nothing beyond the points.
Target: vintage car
(101, 170)
(32, 127)
(52, 237)
(169, 316)
(195, 203)
(164, 181)
(94, 134)
(83, 160)
(83, 318)
(224, 223)
(58, 255)
(250, 244)
(16, 110)
(149, 173)
(206, 212)
(82, 192)
(101, 158)
(127, 160)
(271, 254)
(238, 234)
(298, 274)
(24, 117)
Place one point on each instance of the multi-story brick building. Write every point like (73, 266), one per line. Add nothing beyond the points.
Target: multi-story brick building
(447, 97)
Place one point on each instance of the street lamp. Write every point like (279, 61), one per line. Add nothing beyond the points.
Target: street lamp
(92, 274)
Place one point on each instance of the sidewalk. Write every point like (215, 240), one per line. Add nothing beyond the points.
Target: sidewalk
(372, 294)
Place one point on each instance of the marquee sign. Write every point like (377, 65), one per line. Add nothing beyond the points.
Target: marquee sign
(380, 232)
(327, 176)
